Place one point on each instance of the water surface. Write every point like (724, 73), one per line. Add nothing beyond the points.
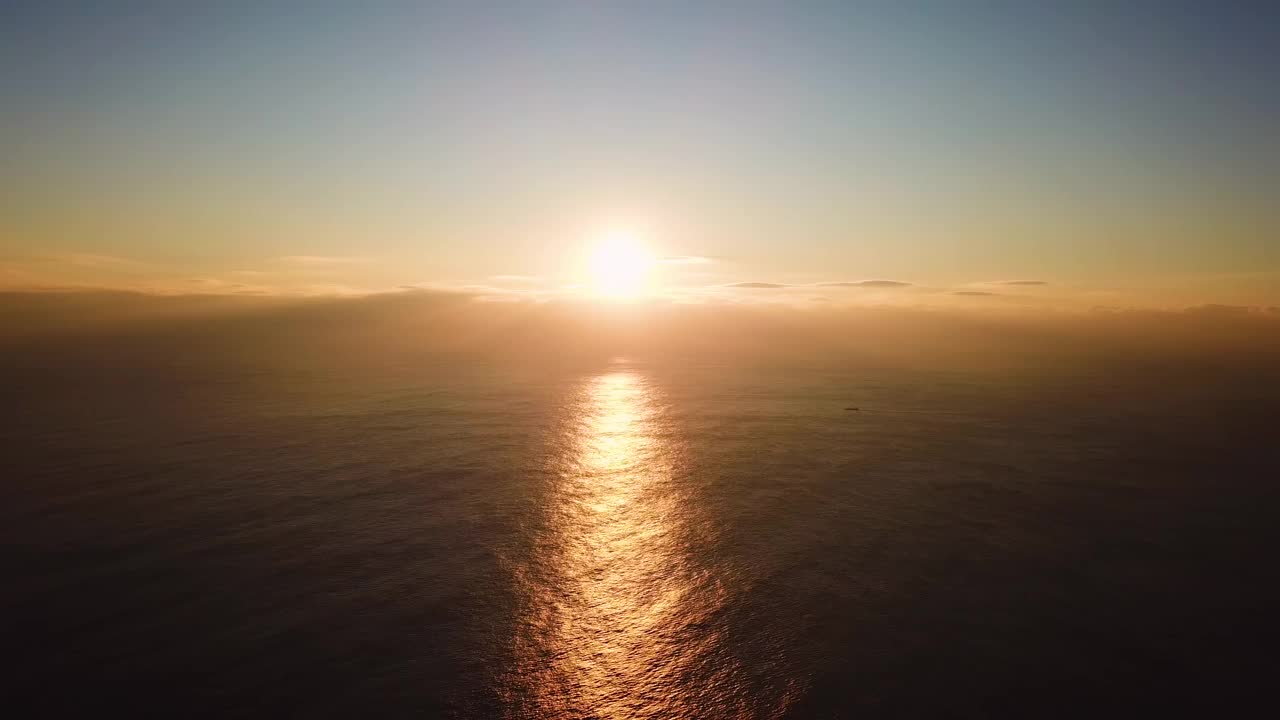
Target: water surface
(638, 540)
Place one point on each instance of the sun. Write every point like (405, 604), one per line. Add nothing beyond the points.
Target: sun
(620, 265)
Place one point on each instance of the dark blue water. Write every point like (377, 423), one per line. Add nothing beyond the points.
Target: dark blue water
(638, 539)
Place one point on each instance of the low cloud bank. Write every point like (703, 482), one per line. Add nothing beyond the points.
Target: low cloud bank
(867, 284)
(133, 329)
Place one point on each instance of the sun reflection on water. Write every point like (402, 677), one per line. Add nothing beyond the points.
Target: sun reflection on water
(616, 623)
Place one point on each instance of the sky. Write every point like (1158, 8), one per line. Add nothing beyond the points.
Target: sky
(959, 152)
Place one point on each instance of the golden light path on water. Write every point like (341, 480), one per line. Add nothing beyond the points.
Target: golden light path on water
(619, 621)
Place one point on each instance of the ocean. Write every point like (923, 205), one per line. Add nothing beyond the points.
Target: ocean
(636, 538)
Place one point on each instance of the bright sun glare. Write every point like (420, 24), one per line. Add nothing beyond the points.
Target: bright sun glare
(620, 265)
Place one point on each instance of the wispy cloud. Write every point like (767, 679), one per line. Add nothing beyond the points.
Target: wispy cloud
(91, 260)
(324, 260)
(757, 285)
(518, 279)
(1219, 310)
(866, 284)
(76, 269)
(975, 293)
(1021, 282)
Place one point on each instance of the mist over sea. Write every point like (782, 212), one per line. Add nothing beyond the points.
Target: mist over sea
(635, 536)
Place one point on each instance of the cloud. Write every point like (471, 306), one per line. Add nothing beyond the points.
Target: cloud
(478, 289)
(974, 293)
(323, 260)
(684, 260)
(75, 270)
(517, 279)
(758, 285)
(1022, 282)
(295, 331)
(99, 261)
(1217, 310)
(867, 284)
